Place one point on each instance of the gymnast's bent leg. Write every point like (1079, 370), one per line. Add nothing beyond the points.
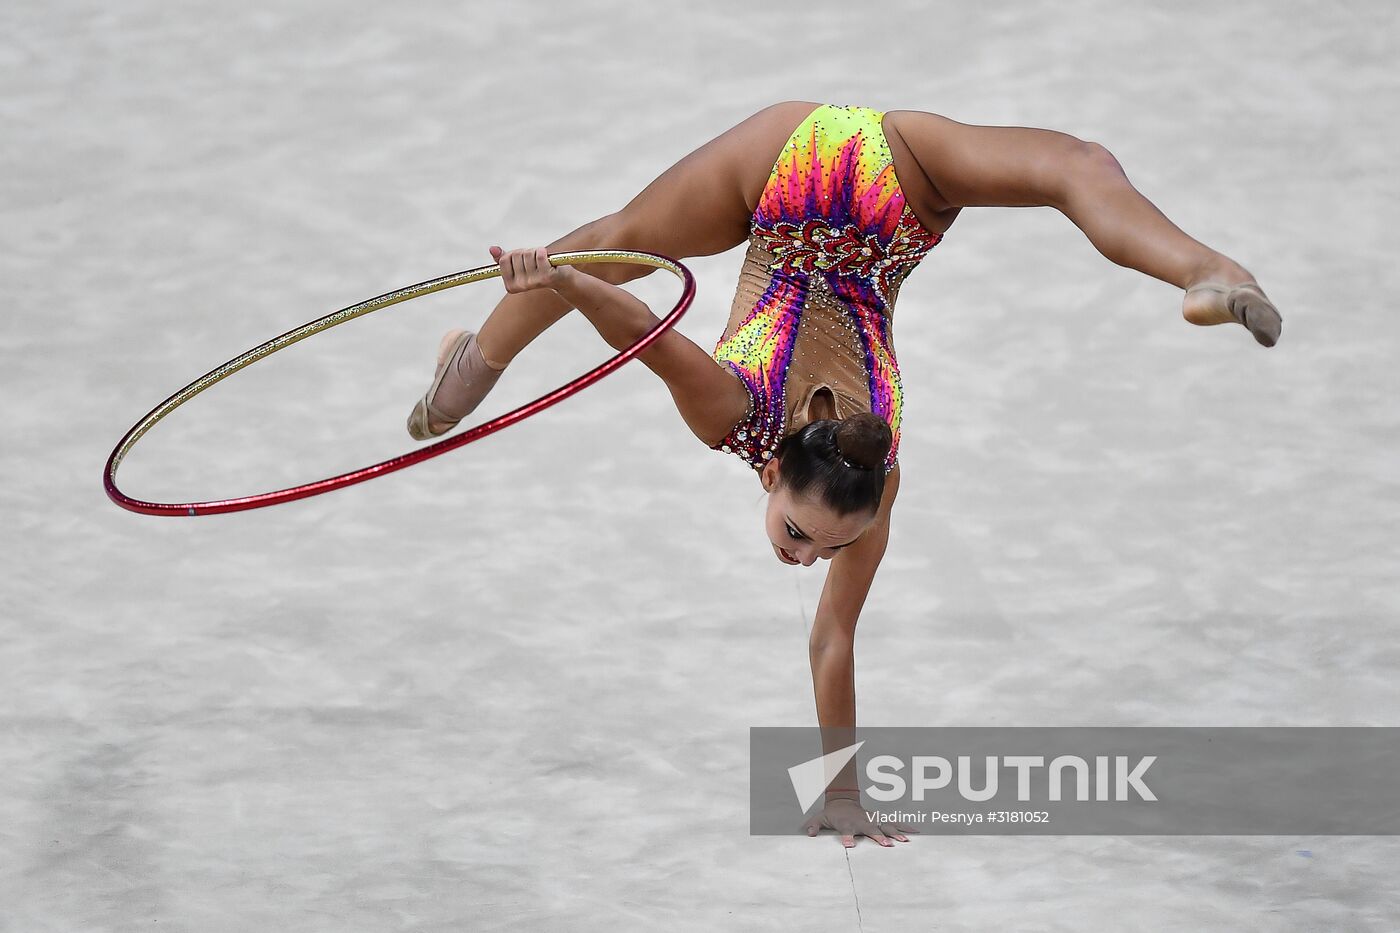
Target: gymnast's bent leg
(1131, 231)
(475, 366)
(697, 207)
(1016, 166)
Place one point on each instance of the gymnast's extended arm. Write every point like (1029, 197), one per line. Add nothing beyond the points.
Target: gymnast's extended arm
(831, 648)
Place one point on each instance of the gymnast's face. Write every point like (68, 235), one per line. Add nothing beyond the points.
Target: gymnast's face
(801, 529)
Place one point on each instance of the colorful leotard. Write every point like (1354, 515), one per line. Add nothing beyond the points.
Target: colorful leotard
(830, 242)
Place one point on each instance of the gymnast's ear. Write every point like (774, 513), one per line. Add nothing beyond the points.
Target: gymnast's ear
(770, 475)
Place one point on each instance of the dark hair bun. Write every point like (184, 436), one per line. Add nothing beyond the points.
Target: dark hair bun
(864, 439)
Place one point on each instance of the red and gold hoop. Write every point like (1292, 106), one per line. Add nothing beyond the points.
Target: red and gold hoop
(292, 493)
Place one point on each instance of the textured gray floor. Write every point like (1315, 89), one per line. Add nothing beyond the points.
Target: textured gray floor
(509, 689)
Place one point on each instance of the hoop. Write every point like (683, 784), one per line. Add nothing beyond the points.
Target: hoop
(292, 493)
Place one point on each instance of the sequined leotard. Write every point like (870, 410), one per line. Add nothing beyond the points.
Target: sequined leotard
(830, 243)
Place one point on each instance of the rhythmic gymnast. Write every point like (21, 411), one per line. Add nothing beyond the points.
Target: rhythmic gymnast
(838, 204)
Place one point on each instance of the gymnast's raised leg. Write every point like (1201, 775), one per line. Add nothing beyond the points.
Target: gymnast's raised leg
(1017, 166)
(700, 206)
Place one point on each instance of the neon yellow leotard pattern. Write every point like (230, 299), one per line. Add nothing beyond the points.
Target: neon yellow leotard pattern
(830, 242)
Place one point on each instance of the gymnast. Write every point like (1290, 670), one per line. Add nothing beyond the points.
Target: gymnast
(838, 204)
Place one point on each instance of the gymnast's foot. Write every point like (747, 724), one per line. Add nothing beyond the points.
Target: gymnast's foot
(463, 378)
(1229, 294)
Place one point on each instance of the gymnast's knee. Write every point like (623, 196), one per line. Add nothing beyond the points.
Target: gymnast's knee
(614, 231)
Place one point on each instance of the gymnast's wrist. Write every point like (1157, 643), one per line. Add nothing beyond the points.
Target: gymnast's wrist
(567, 281)
(843, 793)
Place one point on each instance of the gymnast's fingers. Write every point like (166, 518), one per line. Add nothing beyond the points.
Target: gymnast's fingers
(517, 268)
(507, 271)
(894, 830)
(848, 819)
(553, 275)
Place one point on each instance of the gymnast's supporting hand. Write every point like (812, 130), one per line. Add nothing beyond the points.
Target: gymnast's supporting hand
(843, 812)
